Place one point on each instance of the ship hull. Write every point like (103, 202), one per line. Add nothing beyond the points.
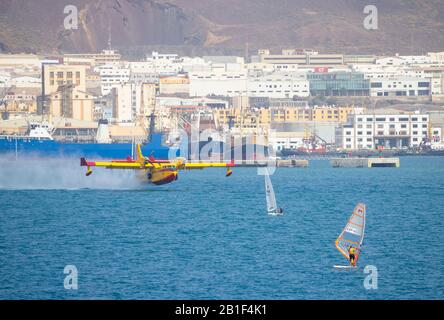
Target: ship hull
(52, 148)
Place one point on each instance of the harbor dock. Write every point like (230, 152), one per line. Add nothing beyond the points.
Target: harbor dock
(293, 163)
(281, 163)
(365, 162)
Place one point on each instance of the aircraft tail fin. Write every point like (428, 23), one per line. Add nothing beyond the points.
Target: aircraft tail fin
(139, 155)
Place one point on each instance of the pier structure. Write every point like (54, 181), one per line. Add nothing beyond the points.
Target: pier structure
(365, 162)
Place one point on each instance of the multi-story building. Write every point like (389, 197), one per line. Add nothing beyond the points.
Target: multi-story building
(253, 84)
(436, 140)
(264, 117)
(391, 61)
(437, 123)
(333, 114)
(105, 57)
(359, 59)
(302, 58)
(285, 114)
(56, 75)
(20, 103)
(174, 85)
(436, 57)
(400, 86)
(369, 131)
(199, 102)
(237, 118)
(437, 85)
(133, 102)
(65, 85)
(128, 102)
(338, 84)
(278, 85)
(220, 83)
(19, 60)
(148, 102)
(373, 71)
(25, 82)
(142, 77)
(113, 76)
(163, 63)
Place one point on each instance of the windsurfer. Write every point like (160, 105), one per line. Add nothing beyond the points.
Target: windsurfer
(352, 255)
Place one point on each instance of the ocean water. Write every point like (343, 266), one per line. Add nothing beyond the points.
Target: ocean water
(209, 237)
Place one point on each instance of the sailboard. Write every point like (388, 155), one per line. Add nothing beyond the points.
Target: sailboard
(270, 196)
(352, 235)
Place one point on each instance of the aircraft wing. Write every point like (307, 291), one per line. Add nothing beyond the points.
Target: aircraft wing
(116, 164)
(202, 165)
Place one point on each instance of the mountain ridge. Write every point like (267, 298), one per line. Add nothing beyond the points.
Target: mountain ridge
(405, 26)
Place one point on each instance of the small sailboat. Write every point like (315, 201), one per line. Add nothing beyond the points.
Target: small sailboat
(271, 198)
(352, 236)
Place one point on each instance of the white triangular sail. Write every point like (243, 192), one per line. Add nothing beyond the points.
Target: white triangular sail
(269, 193)
(353, 233)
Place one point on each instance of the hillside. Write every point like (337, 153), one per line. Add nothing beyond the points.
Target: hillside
(405, 26)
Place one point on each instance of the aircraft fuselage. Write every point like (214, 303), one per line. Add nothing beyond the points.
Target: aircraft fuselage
(160, 176)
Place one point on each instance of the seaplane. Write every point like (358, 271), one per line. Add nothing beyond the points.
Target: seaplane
(157, 172)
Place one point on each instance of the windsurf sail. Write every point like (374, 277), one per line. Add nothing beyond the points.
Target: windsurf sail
(269, 193)
(353, 233)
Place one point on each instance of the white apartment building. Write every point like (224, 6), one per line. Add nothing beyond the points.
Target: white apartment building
(128, 103)
(102, 58)
(143, 72)
(200, 102)
(411, 60)
(254, 83)
(141, 78)
(437, 84)
(4, 79)
(219, 83)
(195, 64)
(165, 64)
(142, 67)
(436, 139)
(391, 61)
(278, 86)
(163, 56)
(400, 86)
(373, 71)
(264, 67)
(161, 67)
(25, 82)
(19, 60)
(113, 76)
(432, 58)
(436, 57)
(368, 131)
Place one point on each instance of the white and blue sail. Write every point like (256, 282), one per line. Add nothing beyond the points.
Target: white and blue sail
(353, 233)
(270, 196)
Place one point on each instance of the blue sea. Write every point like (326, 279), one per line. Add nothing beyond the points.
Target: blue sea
(209, 237)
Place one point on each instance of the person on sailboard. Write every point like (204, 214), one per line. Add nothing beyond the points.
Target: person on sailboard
(279, 210)
(352, 255)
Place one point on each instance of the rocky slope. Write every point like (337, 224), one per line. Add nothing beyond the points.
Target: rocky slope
(406, 26)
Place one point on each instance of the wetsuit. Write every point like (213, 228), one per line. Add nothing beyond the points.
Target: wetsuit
(352, 257)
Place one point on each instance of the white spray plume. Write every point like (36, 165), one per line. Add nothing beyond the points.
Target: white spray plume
(61, 173)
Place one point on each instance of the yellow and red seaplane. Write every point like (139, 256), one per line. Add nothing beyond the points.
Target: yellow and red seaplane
(157, 172)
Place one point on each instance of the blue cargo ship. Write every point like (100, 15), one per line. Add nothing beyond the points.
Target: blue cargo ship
(38, 142)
